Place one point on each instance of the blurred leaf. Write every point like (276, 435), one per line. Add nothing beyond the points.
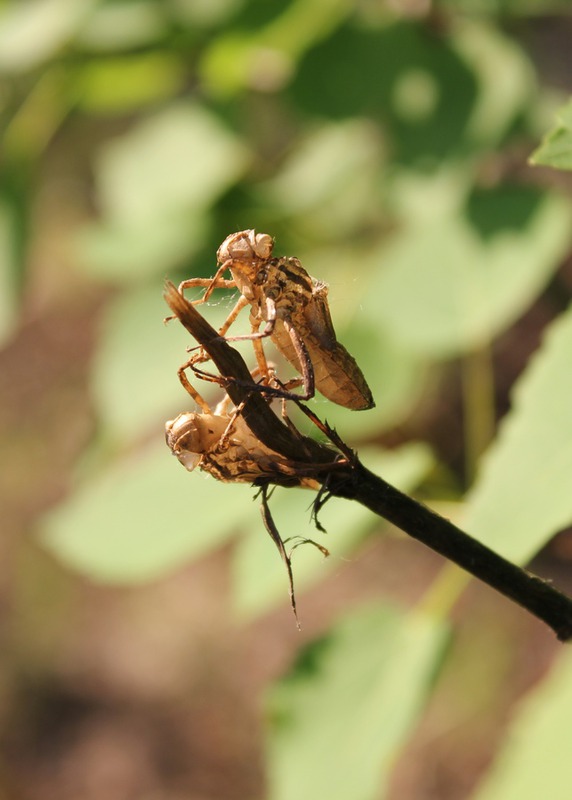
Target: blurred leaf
(124, 25)
(505, 75)
(522, 496)
(180, 158)
(32, 32)
(534, 761)
(8, 270)
(205, 13)
(451, 283)
(129, 254)
(36, 121)
(341, 717)
(155, 186)
(330, 178)
(260, 578)
(556, 148)
(265, 59)
(416, 83)
(122, 84)
(142, 518)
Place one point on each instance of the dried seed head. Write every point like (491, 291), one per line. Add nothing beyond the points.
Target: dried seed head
(247, 246)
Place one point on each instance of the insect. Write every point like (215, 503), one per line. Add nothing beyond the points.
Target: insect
(294, 308)
(222, 444)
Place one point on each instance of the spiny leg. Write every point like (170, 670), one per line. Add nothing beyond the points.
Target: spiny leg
(242, 303)
(224, 439)
(216, 282)
(261, 360)
(253, 335)
(191, 364)
(301, 352)
(330, 433)
(277, 539)
(187, 385)
(304, 360)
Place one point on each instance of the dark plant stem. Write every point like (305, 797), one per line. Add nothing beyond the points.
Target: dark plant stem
(531, 592)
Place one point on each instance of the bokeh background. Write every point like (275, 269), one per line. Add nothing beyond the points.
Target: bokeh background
(148, 647)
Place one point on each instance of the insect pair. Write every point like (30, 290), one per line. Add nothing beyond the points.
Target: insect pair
(294, 309)
(243, 439)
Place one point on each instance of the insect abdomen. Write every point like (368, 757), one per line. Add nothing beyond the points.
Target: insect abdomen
(337, 375)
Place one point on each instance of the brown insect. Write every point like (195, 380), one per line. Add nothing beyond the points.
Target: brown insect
(222, 444)
(294, 308)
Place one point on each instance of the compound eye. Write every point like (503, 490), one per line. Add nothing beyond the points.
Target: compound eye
(183, 432)
(263, 246)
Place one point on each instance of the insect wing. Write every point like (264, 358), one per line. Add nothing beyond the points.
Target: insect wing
(336, 372)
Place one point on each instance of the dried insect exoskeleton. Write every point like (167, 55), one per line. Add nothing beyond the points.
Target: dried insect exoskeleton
(223, 445)
(294, 308)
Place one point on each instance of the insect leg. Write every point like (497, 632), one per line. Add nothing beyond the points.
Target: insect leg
(263, 367)
(224, 439)
(199, 400)
(242, 302)
(304, 361)
(216, 282)
(209, 283)
(256, 334)
(299, 347)
(270, 526)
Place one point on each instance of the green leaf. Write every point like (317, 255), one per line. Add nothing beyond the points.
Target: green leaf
(505, 74)
(522, 496)
(121, 253)
(156, 184)
(420, 89)
(341, 717)
(535, 760)
(259, 575)
(123, 84)
(142, 518)
(32, 32)
(124, 25)
(330, 177)
(179, 158)
(556, 148)
(265, 58)
(452, 283)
